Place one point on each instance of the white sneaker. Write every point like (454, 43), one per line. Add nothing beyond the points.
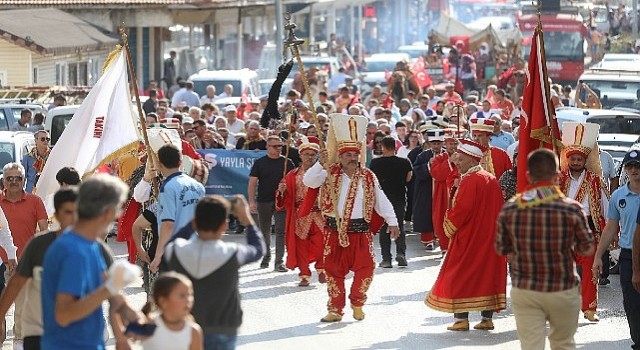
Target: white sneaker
(17, 344)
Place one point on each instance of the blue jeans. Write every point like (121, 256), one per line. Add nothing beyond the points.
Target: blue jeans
(216, 341)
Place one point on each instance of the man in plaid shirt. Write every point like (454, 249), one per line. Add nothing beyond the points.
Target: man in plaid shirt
(539, 230)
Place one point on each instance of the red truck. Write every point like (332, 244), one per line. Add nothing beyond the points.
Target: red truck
(564, 43)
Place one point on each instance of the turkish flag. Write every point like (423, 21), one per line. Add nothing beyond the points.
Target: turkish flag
(538, 123)
(420, 71)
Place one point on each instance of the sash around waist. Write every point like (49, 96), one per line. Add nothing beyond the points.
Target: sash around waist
(355, 225)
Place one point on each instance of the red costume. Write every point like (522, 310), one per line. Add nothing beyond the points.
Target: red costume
(579, 140)
(444, 175)
(591, 189)
(496, 161)
(347, 250)
(473, 276)
(303, 228)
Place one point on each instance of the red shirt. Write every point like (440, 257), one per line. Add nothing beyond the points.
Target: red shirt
(23, 217)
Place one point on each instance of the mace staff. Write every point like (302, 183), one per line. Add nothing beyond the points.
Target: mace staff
(293, 43)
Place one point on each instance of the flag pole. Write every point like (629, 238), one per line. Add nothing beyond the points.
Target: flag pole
(134, 83)
(547, 89)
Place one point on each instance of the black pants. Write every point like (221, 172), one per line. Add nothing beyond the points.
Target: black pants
(630, 297)
(606, 264)
(385, 237)
(485, 314)
(31, 343)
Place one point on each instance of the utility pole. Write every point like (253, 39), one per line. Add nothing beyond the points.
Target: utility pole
(279, 27)
(634, 30)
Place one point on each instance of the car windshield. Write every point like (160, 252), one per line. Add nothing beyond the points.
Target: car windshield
(617, 125)
(381, 66)
(7, 150)
(200, 86)
(559, 46)
(58, 124)
(615, 93)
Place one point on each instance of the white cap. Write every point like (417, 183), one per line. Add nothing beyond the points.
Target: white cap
(230, 108)
(188, 120)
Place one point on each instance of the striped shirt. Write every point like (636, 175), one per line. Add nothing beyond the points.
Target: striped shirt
(539, 231)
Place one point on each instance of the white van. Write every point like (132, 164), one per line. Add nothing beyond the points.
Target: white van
(616, 87)
(57, 120)
(242, 80)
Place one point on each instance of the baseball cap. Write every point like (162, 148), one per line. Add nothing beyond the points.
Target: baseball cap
(230, 108)
(188, 120)
(631, 156)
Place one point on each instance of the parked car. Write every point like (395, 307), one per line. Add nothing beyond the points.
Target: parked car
(327, 64)
(10, 113)
(265, 86)
(617, 82)
(242, 80)
(14, 145)
(379, 65)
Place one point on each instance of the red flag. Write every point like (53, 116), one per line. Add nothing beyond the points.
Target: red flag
(538, 124)
(420, 71)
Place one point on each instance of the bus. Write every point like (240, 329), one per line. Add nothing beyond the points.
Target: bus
(564, 43)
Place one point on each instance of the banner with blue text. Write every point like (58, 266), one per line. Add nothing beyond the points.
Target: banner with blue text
(229, 170)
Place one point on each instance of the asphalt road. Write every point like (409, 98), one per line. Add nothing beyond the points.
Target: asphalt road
(280, 315)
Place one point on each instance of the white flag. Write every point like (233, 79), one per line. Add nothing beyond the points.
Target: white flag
(101, 130)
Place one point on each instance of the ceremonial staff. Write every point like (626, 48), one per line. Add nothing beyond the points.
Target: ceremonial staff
(293, 43)
(292, 114)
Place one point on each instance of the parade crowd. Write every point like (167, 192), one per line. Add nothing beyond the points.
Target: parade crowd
(338, 172)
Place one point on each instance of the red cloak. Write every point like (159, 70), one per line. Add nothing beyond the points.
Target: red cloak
(473, 276)
(444, 174)
(287, 201)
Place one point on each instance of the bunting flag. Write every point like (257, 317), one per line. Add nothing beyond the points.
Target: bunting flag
(538, 123)
(102, 132)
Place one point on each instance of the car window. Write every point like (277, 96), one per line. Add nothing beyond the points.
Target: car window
(3, 121)
(6, 154)
(200, 86)
(617, 125)
(58, 124)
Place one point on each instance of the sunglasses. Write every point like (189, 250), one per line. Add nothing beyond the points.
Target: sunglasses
(43, 139)
(13, 178)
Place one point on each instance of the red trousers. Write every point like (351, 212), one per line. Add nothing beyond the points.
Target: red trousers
(310, 249)
(588, 285)
(426, 237)
(338, 261)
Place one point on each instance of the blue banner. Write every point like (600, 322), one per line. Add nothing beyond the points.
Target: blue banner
(229, 170)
